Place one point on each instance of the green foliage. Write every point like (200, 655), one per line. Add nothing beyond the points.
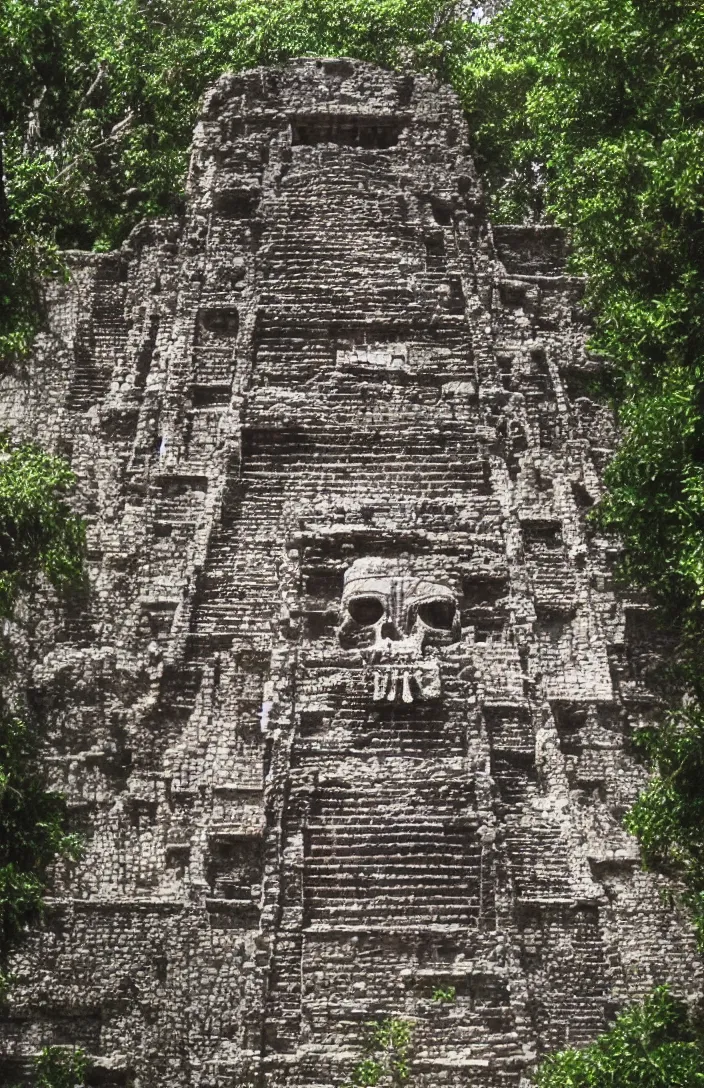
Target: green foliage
(668, 817)
(367, 1073)
(57, 1067)
(25, 258)
(39, 533)
(652, 1045)
(32, 829)
(386, 1055)
(445, 996)
(590, 113)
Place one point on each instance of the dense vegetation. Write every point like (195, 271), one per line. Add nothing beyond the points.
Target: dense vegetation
(588, 113)
(591, 113)
(58, 1067)
(652, 1045)
(39, 535)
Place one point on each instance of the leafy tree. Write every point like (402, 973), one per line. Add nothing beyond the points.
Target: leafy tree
(652, 1045)
(589, 113)
(39, 535)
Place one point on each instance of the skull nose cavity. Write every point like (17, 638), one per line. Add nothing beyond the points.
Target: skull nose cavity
(389, 630)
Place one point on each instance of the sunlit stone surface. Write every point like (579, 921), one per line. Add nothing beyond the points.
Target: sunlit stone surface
(344, 714)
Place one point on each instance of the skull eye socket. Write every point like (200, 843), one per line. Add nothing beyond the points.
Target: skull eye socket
(439, 614)
(365, 610)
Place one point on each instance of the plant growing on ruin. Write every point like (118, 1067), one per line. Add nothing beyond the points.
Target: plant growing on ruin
(39, 532)
(445, 996)
(39, 535)
(58, 1067)
(32, 829)
(386, 1058)
(669, 815)
(589, 114)
(651, 1045)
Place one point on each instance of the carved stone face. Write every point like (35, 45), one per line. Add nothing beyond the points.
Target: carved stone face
(398, 619)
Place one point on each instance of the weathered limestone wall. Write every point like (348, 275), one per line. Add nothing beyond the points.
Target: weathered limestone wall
(345, 713)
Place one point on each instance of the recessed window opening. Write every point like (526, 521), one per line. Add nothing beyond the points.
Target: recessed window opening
(373, 133)
(442, 213)
(220, 322)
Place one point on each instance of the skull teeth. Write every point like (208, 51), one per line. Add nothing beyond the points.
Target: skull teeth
(406, 683)
(380, 682)
(394, 685)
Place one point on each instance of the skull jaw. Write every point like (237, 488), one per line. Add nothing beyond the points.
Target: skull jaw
(402, 684)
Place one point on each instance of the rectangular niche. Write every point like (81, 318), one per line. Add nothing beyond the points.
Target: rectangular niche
(373, 133)
(234, 865)
(217, 322)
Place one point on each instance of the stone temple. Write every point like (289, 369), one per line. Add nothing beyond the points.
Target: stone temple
(344, 713)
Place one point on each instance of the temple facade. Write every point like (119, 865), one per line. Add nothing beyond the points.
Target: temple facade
(344, 713)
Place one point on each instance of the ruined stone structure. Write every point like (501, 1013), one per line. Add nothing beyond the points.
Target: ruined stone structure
(344, 715)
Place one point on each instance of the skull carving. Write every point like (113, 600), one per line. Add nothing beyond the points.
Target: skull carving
(398, 620)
